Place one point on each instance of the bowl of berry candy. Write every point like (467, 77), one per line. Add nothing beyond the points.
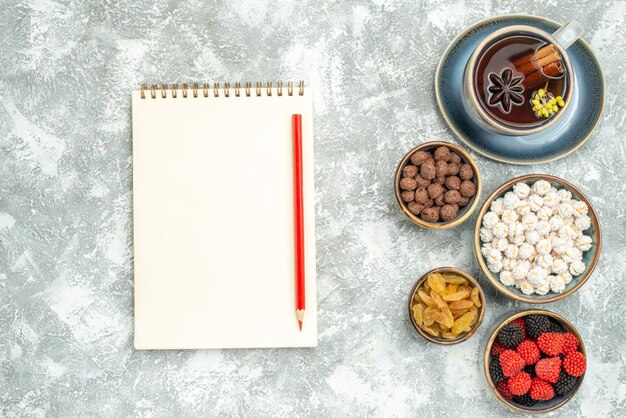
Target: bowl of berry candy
(534, 361)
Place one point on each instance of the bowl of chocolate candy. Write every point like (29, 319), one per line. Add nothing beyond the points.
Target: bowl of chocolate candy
(437, 185)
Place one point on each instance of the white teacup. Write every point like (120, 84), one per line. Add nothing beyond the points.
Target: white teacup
(561, 39)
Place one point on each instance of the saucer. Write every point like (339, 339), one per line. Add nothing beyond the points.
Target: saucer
(564, 137)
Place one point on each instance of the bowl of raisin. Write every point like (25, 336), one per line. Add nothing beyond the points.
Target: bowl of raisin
(446, 306)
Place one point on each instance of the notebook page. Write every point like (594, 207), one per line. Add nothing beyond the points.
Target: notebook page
(213, 221)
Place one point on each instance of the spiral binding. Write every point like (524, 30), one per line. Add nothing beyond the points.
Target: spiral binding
(154, 90)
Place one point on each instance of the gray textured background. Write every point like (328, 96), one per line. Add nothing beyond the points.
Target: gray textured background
(66, 71)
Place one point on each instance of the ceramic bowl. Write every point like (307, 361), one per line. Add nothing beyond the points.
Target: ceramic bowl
(464, 212)
(590, 258)
(481, 310)
(544, 406)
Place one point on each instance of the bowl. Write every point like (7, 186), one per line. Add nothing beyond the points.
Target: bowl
(590, 258)
(543, 406)
(481, 310)
(464, 212)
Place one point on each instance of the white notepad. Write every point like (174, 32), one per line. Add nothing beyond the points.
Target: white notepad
(214, 220)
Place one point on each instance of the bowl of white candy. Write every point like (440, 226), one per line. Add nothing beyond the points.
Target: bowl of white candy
(537, 238)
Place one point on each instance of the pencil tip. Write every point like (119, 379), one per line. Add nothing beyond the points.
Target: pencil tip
(300, 324)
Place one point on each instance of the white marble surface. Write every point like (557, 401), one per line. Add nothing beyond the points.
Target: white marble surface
(66, 70)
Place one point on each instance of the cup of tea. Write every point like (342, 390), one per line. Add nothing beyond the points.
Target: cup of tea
(519, 79)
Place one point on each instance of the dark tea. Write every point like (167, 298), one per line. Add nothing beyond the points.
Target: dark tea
(520, 81)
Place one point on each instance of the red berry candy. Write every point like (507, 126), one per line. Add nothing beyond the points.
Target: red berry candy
(570, 343)
(520, 383)
(520, 322)
(503, 388)
(551, 343)
(497, 348)
(575, 364)
(511, 363)
(548, 369)
(529, 351)
(540, 390)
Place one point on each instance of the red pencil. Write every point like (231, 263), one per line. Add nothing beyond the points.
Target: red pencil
(298, 208)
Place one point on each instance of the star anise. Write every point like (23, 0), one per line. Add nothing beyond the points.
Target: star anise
(506, 89)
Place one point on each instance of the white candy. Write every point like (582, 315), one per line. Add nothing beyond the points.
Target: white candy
(494, 255)
(572, 253)
(568, 232)
(490, 220)
(559, 245)
(541, 187)
(551, 199)
(511, 251)
(522, 190)
(577, 268)
(526, 251)
(530, 221)
(500, 230)
(564, 210)
(537, 275)
(543, 227)
(520, 271)
(511, 200)
(523, 208)
(567, 277)
(532, 237)
(543, 288)
(507, 278)
(509, 216)
(484, 250)
(486, 234)
(583, 243)
(583, 222)
(545, 261)
(558, 266)
(544, 246)
(535, 202)
(497, 206)
(557, 284)
(544, 213)
(495, 267)
(556, 222)
(565, 195)
(527, 288)
(580, 208)
(516, 229)
(519, 240)
(508, 263)
(501, 244)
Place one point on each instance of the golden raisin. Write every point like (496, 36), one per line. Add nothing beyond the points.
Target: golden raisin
(456, 296)
(436, 283)
(450, 278)
(461, 304)
(418, 310)
(427, 317)
(463, 322)
(476, 297)
(438, 301)
(451, 288)
(427, 299)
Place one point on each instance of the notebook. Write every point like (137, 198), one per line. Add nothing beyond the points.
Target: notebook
(214, 217)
